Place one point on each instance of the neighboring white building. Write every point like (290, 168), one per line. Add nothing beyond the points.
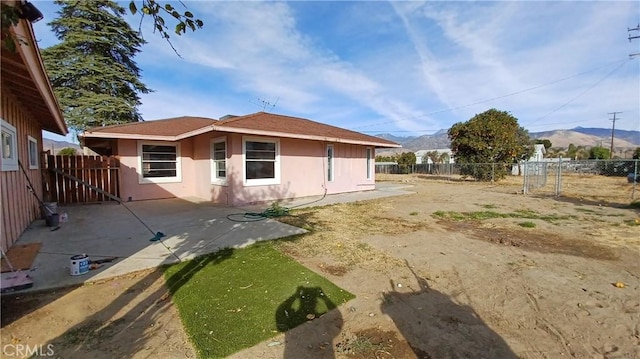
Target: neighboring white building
(422, 154)
(538, 153)
(537, 156)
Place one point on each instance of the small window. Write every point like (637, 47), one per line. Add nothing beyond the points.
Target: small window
(261, 161)
(219, 161)
(369, 163)
(329, 163)
(33, 153)
(159, 162)
(9, 148)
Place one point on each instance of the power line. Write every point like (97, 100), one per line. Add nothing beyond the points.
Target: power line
(637, 28)
(493, 98)
(579, 95)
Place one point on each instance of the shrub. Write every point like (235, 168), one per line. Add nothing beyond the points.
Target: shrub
(67, 151)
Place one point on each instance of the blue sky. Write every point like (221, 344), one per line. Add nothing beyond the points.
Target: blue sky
(406, 68)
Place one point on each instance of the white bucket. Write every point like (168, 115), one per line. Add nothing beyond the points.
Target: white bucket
(79, 264)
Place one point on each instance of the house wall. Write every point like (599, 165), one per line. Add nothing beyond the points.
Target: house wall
(202, 157)
(19, 206)
(302, 164)
(129, 169)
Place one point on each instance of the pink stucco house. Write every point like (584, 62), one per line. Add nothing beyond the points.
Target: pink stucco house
(237, 160)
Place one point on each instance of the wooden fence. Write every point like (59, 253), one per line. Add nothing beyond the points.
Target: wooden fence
(81, 179)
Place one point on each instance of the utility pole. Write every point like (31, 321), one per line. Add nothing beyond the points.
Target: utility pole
(637, 28)
(613, 129)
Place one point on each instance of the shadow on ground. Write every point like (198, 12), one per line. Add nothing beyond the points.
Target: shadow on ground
(305, 304)
(437, 327)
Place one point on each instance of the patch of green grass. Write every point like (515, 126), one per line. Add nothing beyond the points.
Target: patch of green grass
(632, 222)
(482, 215)
(413, 213)
(634, 205)
(526, 213)
(527, 224)
(456, 216)
(236, 298)
(489, 206)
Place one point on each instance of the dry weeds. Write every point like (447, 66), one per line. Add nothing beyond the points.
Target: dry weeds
(337, 231)
(579, 187)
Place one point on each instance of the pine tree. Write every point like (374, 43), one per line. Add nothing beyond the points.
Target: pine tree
(92, 70)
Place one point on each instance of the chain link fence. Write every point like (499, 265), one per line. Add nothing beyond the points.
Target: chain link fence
(487, 172)
(596, 180)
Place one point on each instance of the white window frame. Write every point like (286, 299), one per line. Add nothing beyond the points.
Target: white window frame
(330, 164)
(215, 163)
(11, 163)
(369, 156)
(260, 181)
(173, 179)
(34, 156)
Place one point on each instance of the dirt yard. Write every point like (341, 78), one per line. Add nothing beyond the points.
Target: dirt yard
(456, 270)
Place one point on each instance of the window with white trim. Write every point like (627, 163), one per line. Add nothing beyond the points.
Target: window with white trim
(369, 163)
(9, 148)
(329, 163)
(33, 153)
(159, 162)
(219, 161)
(261, 161)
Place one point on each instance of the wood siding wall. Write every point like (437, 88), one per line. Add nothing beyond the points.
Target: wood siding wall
(19, 206)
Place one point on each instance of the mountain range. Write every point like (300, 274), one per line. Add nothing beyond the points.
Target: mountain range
(579, 136)
(56, 146)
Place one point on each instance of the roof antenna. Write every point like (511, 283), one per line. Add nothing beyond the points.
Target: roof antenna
(275, 103)
(263, 104)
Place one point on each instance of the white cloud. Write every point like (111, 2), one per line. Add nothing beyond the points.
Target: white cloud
(393, 64)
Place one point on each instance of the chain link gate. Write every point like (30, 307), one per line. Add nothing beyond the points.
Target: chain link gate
(604, 180)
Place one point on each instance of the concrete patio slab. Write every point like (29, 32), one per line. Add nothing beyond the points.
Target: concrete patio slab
(192, 229)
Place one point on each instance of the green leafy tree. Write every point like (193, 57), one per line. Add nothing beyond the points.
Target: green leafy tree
(67, 151)
(391, 158)
(158, 11)
(555, 152)
(92, 69)
(577, 152)
(636, 154)
(10, 17)
(406, 160)
(599, 153)
(487, 144)
(183, 19)
(434, 156)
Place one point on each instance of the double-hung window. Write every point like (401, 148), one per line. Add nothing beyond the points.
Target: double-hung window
(219, 161)
(9, 147)
(261, 161)
(159, 162)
